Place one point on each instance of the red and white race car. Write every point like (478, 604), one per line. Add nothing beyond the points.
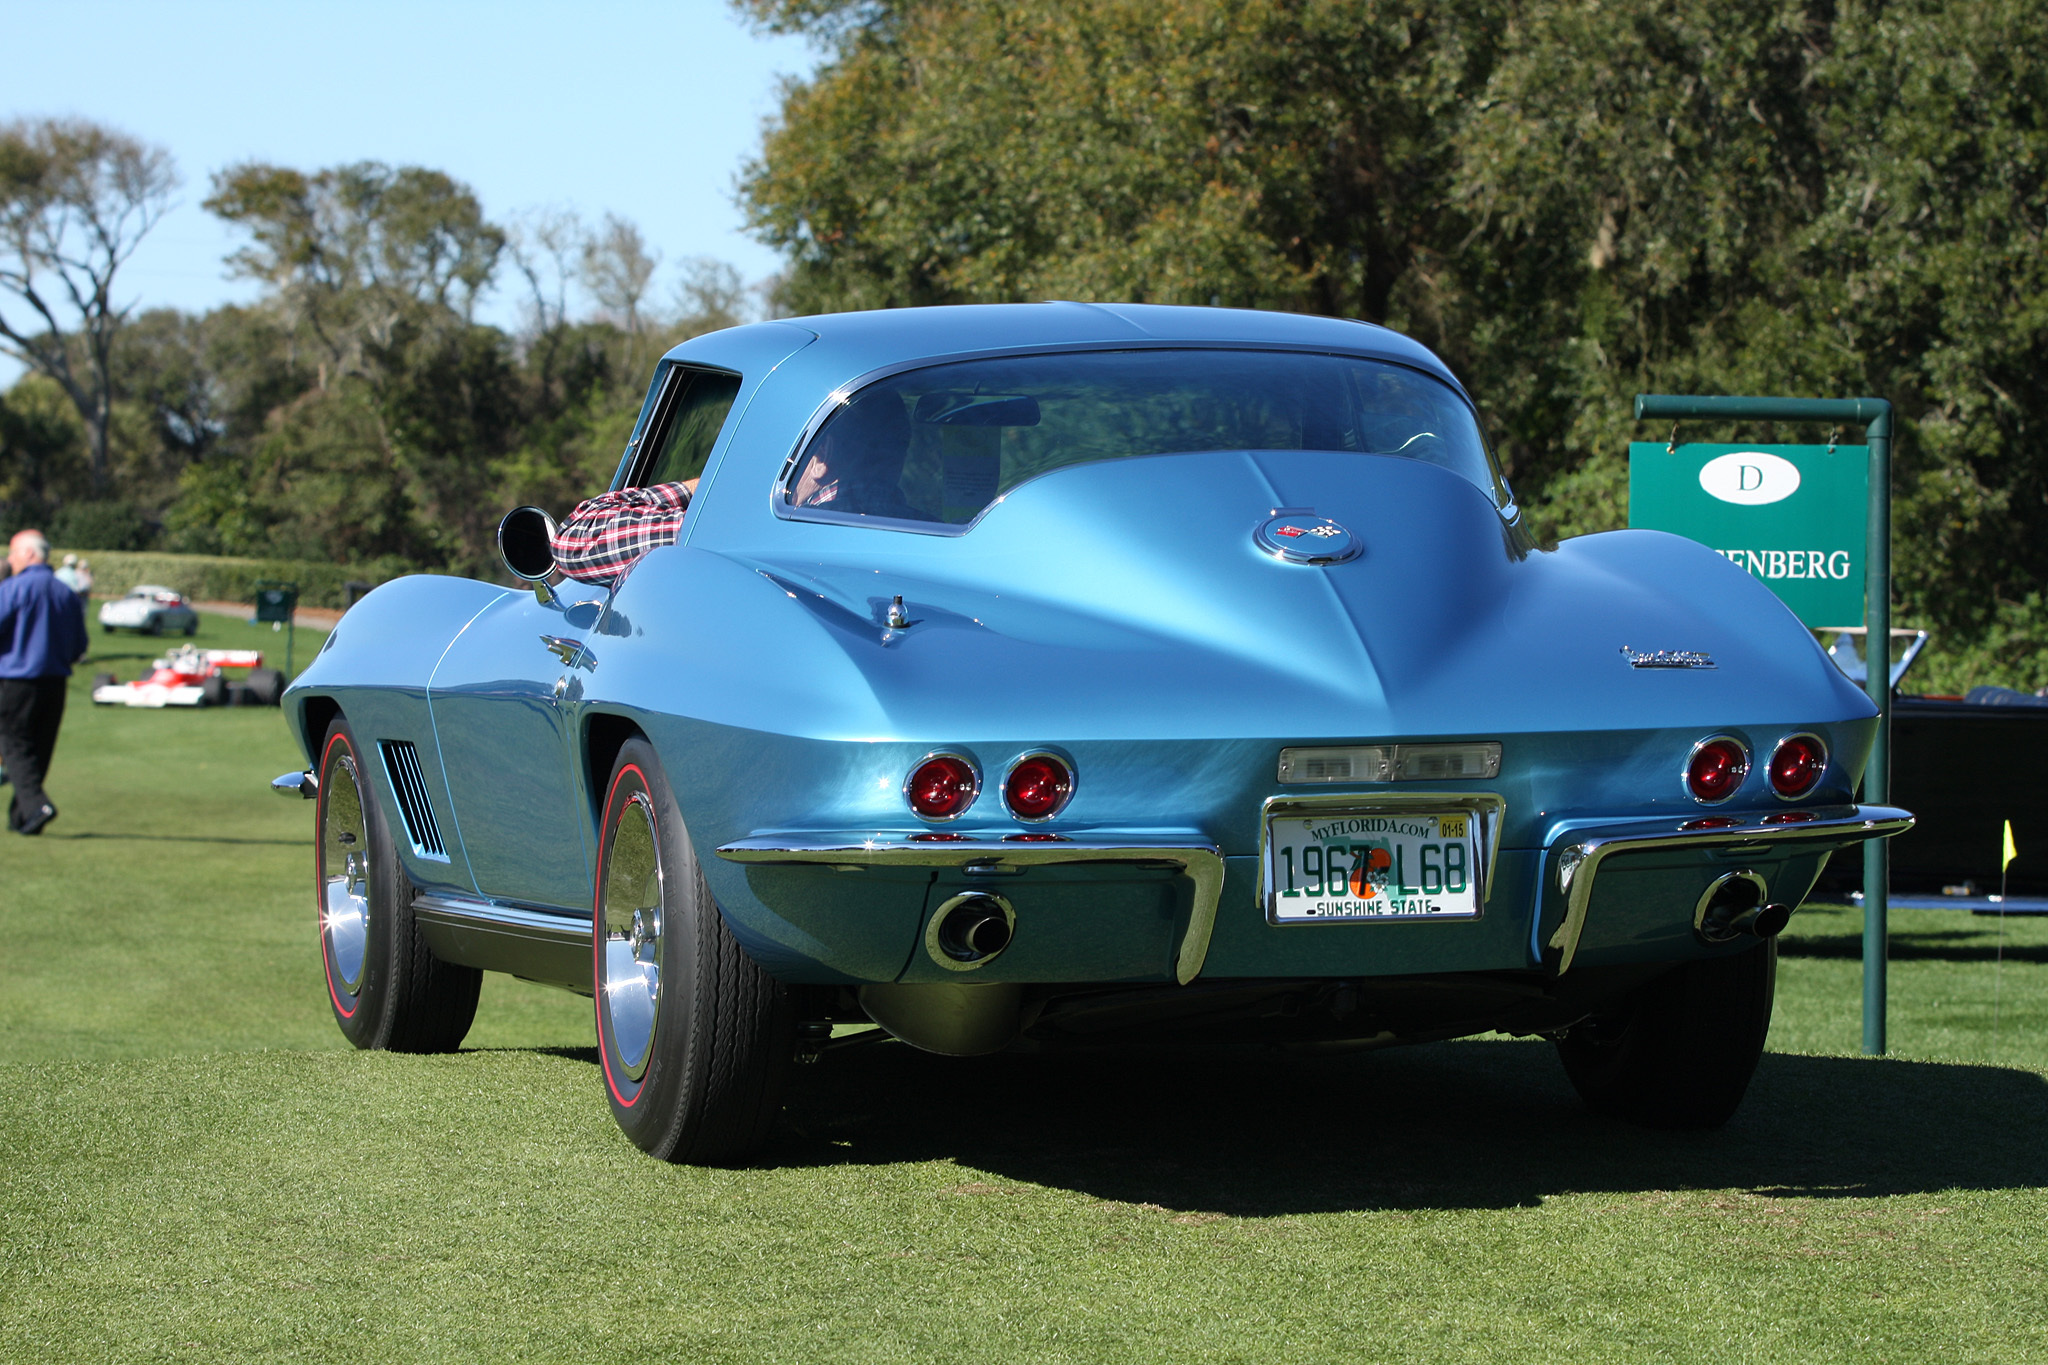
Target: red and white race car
(188, 676)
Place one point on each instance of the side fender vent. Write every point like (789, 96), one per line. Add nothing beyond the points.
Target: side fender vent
(402, 763)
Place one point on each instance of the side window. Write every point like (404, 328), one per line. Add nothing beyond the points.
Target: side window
(686, 430)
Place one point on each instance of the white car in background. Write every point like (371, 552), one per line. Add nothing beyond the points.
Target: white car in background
(151, 609)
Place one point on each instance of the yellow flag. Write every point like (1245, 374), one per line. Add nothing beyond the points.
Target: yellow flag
(2011, 850)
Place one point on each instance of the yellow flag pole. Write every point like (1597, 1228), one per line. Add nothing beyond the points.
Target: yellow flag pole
(2010, 851)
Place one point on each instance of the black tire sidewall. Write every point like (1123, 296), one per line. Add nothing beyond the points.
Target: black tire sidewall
(1678, 1052)
(679, 1110)
(364, 1017)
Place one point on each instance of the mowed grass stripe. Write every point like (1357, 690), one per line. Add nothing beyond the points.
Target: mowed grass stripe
(197, 1168)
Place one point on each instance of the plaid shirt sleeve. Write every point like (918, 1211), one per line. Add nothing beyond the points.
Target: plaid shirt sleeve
(607, 534)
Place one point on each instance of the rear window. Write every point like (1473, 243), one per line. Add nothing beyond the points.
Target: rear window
(938, 445)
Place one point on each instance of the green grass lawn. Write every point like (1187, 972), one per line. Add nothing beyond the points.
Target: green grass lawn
(196, 1167)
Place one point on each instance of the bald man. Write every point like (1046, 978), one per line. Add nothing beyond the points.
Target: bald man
(42, 633)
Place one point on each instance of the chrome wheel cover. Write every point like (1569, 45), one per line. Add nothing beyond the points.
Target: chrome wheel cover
(631, 925)
(345, 880)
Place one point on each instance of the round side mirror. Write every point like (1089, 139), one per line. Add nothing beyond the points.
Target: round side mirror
(523, 540)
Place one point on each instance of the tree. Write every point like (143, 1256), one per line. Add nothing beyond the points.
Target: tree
(352, 252)
(1571, 202)
(617, 267)
(76, 199)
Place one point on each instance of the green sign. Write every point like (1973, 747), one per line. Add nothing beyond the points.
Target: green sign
(275, 602)
(1795, 516)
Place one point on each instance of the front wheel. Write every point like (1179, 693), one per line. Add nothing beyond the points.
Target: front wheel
(1678, 1052)
(695, 1040)
(387, 990)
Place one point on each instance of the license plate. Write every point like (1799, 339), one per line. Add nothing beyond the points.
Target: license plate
(1360, 866)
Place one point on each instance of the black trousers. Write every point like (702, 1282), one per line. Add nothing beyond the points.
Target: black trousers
(31, 709)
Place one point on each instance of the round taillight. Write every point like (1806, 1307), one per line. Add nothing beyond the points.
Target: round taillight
(1038, 786)
(1797, 764)
(942, 787)
(1716, 769)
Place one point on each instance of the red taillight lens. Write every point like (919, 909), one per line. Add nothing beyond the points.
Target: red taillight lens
(1037, 787)
(1716, 770)
(941, 787)
(1796, 765)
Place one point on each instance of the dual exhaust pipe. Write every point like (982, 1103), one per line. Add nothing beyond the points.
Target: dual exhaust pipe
(1735, 907)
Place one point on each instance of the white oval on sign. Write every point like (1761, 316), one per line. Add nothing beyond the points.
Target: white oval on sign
(1750, 477)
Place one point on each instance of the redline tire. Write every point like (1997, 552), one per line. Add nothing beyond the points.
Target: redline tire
(1678, 1052)
(694, 1039)
(386, 989)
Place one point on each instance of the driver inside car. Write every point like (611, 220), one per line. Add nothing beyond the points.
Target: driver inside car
(855, 465)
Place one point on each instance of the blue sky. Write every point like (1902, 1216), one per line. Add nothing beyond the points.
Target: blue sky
(641, 109)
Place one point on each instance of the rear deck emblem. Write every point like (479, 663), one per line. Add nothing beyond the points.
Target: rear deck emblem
(1667, 658)
(1299, 536)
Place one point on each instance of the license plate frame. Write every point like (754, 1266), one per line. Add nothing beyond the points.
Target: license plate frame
(1463, 828)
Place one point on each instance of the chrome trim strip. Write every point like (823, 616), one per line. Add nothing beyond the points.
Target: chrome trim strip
(1578, 862)
(1488, 808)
(463, 912)
(1197, 859)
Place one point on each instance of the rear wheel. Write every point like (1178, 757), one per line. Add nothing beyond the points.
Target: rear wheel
(214, 691)
(265, 686)
(694, 1038)
(387, 990)
(1678, 1052)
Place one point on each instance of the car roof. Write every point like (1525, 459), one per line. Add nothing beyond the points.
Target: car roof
(853, 344)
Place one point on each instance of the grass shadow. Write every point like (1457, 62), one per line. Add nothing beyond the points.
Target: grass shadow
(177, 838)
(1250, 1132)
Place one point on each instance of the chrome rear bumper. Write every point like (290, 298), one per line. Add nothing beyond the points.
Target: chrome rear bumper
(1200, 860)
(1581, 849)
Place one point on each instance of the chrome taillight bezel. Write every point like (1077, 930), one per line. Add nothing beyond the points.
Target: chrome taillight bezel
(1819, 776)
(973, 790)
(1741, 777)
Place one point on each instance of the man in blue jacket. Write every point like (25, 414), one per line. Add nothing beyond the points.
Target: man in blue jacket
(42, 633)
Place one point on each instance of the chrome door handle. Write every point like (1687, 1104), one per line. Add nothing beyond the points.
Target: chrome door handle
(563, 648)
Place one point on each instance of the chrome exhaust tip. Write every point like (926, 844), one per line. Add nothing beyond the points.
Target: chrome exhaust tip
(1734, 907)
(970, 930)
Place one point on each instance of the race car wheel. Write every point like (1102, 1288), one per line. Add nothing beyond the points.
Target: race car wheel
(1678, 1052)
(214, 691)
(265, 686)
(387, 990)
(695, 1040)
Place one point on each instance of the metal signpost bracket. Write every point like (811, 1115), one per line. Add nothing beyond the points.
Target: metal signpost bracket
(1874, 415)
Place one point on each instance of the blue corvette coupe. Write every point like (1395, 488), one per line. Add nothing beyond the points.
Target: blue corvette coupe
(1059, 675)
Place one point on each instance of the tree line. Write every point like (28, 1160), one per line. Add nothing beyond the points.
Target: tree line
(1572, 200)
(358, 412)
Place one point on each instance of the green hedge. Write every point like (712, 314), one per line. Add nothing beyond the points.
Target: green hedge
(220, 578)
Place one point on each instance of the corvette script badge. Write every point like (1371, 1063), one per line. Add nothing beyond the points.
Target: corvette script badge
(1299, 536)
(1667, 658)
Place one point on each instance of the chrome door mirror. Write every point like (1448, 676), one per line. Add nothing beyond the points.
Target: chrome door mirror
(525, 539)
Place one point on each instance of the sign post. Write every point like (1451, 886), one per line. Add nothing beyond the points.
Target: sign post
(1874, 415)
(277, 603)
